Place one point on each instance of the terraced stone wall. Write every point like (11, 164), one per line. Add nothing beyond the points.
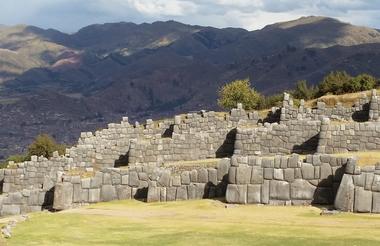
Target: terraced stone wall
(359, 190)
(284, 180)
(294, 136)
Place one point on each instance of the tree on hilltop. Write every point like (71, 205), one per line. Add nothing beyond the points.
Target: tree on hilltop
(238, 91)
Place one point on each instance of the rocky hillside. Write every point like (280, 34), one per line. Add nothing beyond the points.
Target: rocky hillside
(63, 84)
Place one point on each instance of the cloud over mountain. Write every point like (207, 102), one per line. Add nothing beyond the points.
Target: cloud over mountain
(70, 15)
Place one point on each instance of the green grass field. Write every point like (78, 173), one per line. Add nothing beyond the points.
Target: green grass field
(204, 222)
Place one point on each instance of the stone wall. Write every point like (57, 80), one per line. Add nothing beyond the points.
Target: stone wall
(352, 136)
(25, 201)
(195, 136)
(374, 107)
(358, 112)
(359, 190)
(110, 147)
(294, 136)
(284, 180)
(147, 182)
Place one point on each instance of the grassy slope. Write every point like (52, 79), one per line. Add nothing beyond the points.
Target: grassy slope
(202, 222)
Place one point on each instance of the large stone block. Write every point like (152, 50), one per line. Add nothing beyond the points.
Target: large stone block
(223, 167)
(265, 192)
(279, 190)
(376, 202)
(153, 194)
(171, 193)
(344, 199)
(10, 210)
(181, 193)
(124, 192)
(134, 179)
(257, 176)
(94, 195)
(185, 178)
(363, 200)
(254, 194)
(301, 190)
(243, 174)
(212, 176)
(236, 194)
(108, 193)
(232, 175)
(63, 196)
(202, 175)
(164, 179)
(307, 171)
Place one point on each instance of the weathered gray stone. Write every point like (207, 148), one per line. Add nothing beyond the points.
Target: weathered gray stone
(223, 167)
(153, 194)
(124, 192)
(86, 183)
(257, 176)
(268, 173)
(265, 192)
(236, 194)
(278, 174)
(171, 193)
(363, 200)
(164, 179)
(134, 179)
(232, 175)
(344, 199)
(289, 174)
(194, 176)
(307, 171)
(185, 177)
(375, 202)
(202, 175)
(301, 190)
(212, 176)
(163, 194)
(10, 210)
(254, 194)
(176, 180)
(181, 193)
(94, 195)
(108, 193)
(243, 174)
(279, 190)
(63, 196)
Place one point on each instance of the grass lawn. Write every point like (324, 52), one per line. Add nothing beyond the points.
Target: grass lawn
(204, 222)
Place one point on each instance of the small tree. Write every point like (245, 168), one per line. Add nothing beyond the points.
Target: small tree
(304, 91)
(362, 82)
(238, 91)
(334, 83)
(45, 145)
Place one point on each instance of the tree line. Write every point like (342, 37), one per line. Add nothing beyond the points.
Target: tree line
(336, 83)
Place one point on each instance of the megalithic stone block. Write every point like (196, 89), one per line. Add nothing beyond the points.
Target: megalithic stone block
(344, 199)
(63, 196)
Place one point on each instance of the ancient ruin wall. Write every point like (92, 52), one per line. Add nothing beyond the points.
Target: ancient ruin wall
(295, 136)
(142, 182)
(284, 180)
(358, 112)
(345, 137)
(359, 190)
(195, 136)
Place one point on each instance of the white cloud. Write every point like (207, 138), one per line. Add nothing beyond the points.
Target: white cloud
(69, 15)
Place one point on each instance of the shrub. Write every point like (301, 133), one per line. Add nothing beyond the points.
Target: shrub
(238, 91)
(266, 102)
(362, 82)
(45, 145)
(304, 91)
(334, 83)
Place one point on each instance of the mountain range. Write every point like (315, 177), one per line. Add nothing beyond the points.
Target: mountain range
(63, 84)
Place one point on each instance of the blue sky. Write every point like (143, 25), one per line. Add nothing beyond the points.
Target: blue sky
(70, 15)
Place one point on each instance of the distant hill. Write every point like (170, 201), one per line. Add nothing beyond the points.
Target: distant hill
(64, 83)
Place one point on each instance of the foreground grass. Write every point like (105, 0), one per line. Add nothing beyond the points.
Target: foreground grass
(203, 222)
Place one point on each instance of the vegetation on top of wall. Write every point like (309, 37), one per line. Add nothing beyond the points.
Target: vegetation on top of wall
(238, 91)
(336, 83)
(43, 145)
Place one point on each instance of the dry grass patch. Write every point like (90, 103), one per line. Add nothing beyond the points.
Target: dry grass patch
(364, 158)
